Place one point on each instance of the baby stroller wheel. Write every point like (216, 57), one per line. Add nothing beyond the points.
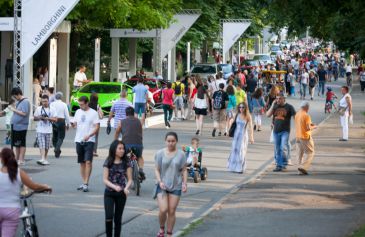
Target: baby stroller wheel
(196, 177)
(204, 174)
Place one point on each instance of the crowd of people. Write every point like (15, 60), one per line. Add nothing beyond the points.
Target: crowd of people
(236, 106)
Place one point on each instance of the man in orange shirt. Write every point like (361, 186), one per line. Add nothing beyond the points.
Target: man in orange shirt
(303, 134)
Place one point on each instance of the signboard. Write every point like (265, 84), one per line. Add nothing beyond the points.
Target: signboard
(171, 36)
(6, 24)
(232, 31)
(52, 72)
(36, 27)
(132, 33)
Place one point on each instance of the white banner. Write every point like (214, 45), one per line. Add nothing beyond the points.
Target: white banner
(6, 24)
(232, 31)
(52, 72)
(132, 33)
(97, 60)
(39, 19)
(172, 35)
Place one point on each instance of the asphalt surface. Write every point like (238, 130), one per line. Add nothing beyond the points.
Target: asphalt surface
(330, 201)
(68, 212)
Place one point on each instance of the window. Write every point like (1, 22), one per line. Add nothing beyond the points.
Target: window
(204, 69)
(101, 89)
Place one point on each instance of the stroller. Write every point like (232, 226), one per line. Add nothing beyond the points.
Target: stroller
(197, 171)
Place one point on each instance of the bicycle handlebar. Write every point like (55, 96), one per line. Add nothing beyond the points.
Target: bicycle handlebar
(28, 194)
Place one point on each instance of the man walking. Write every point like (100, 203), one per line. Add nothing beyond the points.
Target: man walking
(219, 103)
(282, 113)
(132, 134)
(45, 116)
(87, 124)
(179, 89)
(19, 124)
(322, 78)
(140, 100)
(118, 109)
(62, 123)
(305, 144)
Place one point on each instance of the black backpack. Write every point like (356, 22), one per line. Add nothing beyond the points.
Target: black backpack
(177, 88)
(218, 100)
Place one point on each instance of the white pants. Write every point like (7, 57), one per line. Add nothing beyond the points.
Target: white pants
(344, 119)
(257, 118)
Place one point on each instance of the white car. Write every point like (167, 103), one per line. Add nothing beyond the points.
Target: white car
(205, 70)
(263, 59)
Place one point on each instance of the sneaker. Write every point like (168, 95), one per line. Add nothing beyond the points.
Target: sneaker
(21, 163)
(277, 169)
(213, 133)
(302, 171)
(168, 124)
(142, 175)
(81, 187)
(45, 162)
(219, 134)
(40, 162)
(85, 188)
(289, 162)
(254, 127)
(167, 127)
(342, 140)
(57, 154)
(197, 132)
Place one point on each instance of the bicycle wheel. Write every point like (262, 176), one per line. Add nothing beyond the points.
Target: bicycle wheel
(136, 180)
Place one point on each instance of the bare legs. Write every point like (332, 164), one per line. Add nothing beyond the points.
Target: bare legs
(167, 204)
(85, 171)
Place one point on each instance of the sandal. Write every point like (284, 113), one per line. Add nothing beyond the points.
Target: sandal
(161, 234)
(169, 233)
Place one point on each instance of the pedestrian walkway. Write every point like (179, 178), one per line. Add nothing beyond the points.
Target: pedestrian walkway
(328, 202)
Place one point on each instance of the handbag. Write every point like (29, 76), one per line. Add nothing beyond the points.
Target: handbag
(341, 110)
(232, 129)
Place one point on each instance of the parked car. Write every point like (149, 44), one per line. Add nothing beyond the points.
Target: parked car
(155, 86)
(108, 93)
(226, 69)
(249, 64)
(275, 48)
(263, 59)
(205, 70)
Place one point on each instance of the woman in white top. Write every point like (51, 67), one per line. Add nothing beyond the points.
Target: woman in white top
(346, 106)
(11, 179)
(304, 80)
(200, 106)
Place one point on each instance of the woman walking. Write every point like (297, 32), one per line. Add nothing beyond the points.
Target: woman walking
(312, 83)
(117, 177)
(11, 179)
(230, 111)
(94, 104)
(258, 105)
(304, 79)
(167, 104)
(190, 98)
(171, 175)
(236, 160)
(200, 106)
(345, 111)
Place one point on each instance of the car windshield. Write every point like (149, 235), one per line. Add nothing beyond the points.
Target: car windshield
(100, 88)
(261, 57)
(251, 63)
(275, 48)
(226, 68)
(204, 69)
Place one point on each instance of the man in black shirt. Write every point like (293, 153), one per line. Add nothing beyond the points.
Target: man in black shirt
(322, 78)
(219, 104)
(282, 113)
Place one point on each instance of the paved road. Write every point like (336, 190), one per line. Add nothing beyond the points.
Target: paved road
(329, 202)
(67, 211)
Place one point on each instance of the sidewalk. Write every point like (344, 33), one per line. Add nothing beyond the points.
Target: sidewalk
(328, 202)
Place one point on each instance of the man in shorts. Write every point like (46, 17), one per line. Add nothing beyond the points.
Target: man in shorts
(140, 100)
(19, 124)
(132, 134)
(219, 103)
(87, 124)
(45, 117)
(179, 89)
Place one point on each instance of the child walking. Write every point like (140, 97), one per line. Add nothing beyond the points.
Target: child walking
(117, 177)
(8, 112)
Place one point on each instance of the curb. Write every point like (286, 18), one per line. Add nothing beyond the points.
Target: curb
(238, 186)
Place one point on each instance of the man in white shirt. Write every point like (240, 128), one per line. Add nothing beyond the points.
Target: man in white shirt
(45, 116)
(62, 123)
(80, 78)
(87, 124)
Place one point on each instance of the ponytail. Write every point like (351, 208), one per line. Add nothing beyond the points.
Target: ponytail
(9, 161)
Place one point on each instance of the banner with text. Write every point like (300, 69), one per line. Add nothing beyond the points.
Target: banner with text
(172, 35)
(39, 19)
(232, 31)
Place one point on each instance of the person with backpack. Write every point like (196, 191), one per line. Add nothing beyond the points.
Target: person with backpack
(179, 89)
(219, 102)
(313, 80)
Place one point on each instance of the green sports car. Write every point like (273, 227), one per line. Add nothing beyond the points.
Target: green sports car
(108, 93)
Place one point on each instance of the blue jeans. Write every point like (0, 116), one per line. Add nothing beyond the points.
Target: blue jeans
(281, 142)
(321, 86)
(303, 90)
(249, 101)
(167, 111)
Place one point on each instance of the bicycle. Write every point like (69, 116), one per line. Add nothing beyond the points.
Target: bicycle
(27, 215)
(137, 179)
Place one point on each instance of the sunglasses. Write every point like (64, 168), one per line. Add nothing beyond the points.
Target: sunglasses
(241, 107)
